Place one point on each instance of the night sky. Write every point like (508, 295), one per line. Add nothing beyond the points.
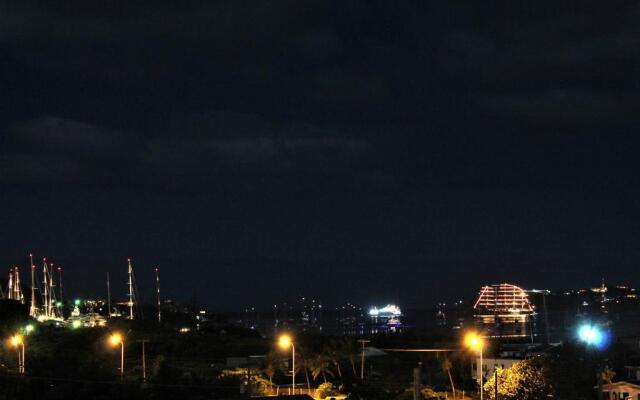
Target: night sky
(363, 151)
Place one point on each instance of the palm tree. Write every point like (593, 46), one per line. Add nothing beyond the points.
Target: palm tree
(334, 354)
(273, 363)
(304, 363)
(349, 348)
(447, 366)
(270, 371)
(321, 365)
(607, 375)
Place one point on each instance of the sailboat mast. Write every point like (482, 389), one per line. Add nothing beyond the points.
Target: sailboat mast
(18, 289)
(60, 282)
(108, 296)
(158, 295)
(32, 310)
(45, 288)
(130, 283)
(10, 285)
(52, 293)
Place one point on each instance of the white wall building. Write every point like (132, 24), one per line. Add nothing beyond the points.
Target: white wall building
(621, 390)
(489, 365)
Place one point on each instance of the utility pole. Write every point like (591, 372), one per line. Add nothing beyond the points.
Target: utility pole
(546, 316)
(364, 342)
(144, 360)
(417, 372)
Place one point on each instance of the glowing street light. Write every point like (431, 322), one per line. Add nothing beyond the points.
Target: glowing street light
(591, 335)
(284, 342)
(29, 328)
(17, 341)
(473, 341)
(114, 340)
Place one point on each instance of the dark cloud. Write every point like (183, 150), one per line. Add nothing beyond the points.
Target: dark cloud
(219, 145)
(61, 150)
(209, 147)
(29, 168)
(65, 136)
(572, 109)
(262, 152)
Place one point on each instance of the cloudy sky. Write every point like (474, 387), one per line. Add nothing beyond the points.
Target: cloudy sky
(352, 150)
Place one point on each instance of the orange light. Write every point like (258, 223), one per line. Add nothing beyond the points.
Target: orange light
(115, 339)
(474, 341)
(16, 340)
(285, 341)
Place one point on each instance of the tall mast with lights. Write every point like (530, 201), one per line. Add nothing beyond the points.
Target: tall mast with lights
(158, 295)
(60, 282)
(108, 297)
(10, 285)
(33, 310)
(45, 288)
(131, 293)
(17, 288)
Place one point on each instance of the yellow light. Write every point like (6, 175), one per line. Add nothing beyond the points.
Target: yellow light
(16, 340)
(115, 339)
(474, 341)
(285, 341)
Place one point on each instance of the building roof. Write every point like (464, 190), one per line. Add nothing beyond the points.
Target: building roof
(619, 385)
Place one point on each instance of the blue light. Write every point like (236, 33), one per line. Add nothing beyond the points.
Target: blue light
(593, 336)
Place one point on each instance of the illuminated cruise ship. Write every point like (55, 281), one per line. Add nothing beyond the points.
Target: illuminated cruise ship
(504, 303)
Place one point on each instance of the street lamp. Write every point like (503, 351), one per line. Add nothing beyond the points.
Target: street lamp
(17, 341)
(593, 336)
(284, 342)
(475, 342)
(114, 340)
(364, 342)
